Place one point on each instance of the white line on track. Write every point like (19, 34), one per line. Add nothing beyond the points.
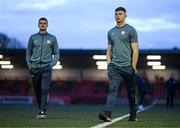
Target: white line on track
(103, 125)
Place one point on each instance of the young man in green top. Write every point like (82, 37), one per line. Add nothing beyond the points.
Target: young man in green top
(41, 55)
(122, 57)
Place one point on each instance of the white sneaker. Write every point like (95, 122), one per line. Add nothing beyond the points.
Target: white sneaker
(41, 115)
(140, 107)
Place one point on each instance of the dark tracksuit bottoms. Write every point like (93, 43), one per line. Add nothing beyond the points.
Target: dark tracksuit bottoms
(116, 74)
(41, 78)
(170, 98)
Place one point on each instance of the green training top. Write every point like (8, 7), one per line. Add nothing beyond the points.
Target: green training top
(121, 38)
(40, 49)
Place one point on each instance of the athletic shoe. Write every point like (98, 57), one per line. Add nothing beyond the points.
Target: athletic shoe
(132, 117)
(41, 115)
(140, 107)
(105, 116)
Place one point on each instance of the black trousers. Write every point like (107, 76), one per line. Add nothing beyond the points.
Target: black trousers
(116, 74)
(170, 99)
(142, 95)
(41, 78)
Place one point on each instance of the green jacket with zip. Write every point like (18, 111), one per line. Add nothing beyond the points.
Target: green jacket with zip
(42, 51)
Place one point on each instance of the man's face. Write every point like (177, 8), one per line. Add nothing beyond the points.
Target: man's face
(43, 25)
(120, 16)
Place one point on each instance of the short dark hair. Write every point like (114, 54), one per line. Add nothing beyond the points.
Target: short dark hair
(120, 9)
(43, 18)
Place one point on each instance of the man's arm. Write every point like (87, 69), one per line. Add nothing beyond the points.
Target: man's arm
(109, 53)
(55, 52)
(135, 54)
(29, 53)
